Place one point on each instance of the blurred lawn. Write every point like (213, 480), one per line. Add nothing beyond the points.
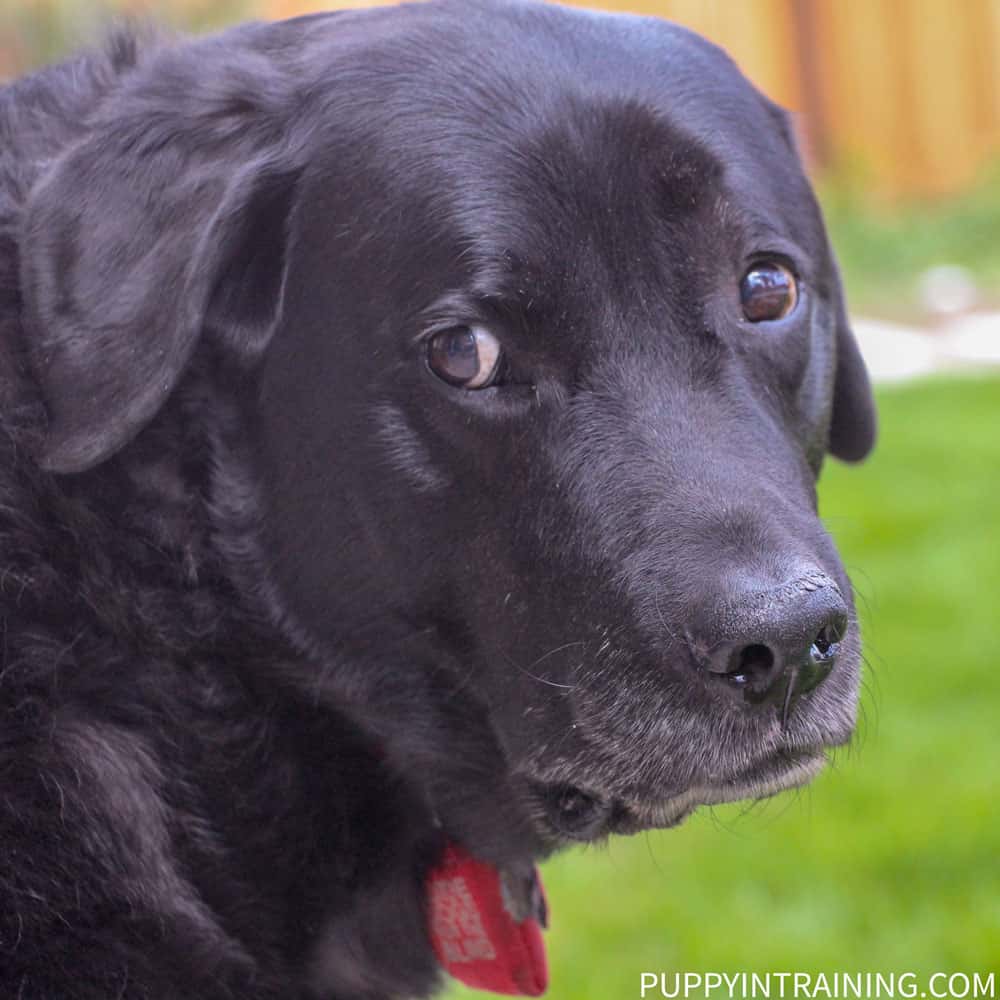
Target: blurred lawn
(891, 860)
(884, 248)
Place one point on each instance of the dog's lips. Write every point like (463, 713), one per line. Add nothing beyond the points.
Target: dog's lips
(781, 772)
(575, 814)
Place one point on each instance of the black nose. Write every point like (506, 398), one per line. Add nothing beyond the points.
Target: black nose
(770, 646)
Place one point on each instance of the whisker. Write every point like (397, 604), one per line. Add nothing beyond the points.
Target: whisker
(558, 649)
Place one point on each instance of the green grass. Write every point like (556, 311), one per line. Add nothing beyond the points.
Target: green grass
(884, 249)
(891, 860)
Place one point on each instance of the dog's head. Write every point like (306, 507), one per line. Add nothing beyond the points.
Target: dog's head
(540, 345)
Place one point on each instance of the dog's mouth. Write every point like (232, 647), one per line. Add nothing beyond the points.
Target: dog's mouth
(784, 771)
(573, 813)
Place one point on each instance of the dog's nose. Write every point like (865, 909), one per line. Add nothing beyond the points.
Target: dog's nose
(774, 645)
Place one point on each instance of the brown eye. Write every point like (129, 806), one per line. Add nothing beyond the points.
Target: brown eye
(466, 356)
(768, 291)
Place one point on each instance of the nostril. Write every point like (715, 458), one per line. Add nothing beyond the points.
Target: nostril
(822, 655)
(828, 637)
(751, 663)
(822, 644)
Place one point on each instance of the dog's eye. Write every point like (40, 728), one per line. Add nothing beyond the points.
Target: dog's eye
(466, 356)
(768, 291)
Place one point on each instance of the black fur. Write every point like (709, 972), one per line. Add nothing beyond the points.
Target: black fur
(280, 610)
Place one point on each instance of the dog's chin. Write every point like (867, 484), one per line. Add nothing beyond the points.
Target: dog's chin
(784, 771)
(569, 813)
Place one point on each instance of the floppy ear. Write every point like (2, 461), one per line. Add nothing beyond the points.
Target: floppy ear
(135, 241)
(853, 420)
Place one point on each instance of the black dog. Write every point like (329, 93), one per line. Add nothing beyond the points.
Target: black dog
(409, 427)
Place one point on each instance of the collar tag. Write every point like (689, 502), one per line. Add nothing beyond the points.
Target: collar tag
(486, 929)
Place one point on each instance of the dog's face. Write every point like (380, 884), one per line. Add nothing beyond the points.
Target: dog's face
(545, 348)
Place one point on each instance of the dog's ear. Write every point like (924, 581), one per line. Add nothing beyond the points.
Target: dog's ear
(165, 221)
(853, 420)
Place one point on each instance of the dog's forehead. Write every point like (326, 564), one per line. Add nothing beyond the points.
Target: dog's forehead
(529, 138)
(446, 80)
(598, 198)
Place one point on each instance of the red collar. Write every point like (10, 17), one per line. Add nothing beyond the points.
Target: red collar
(486, 928)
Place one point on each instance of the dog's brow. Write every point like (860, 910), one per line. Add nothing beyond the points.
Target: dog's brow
(761, 234)
(496, 289)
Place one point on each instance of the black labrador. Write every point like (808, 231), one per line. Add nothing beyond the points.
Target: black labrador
(409, 430)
